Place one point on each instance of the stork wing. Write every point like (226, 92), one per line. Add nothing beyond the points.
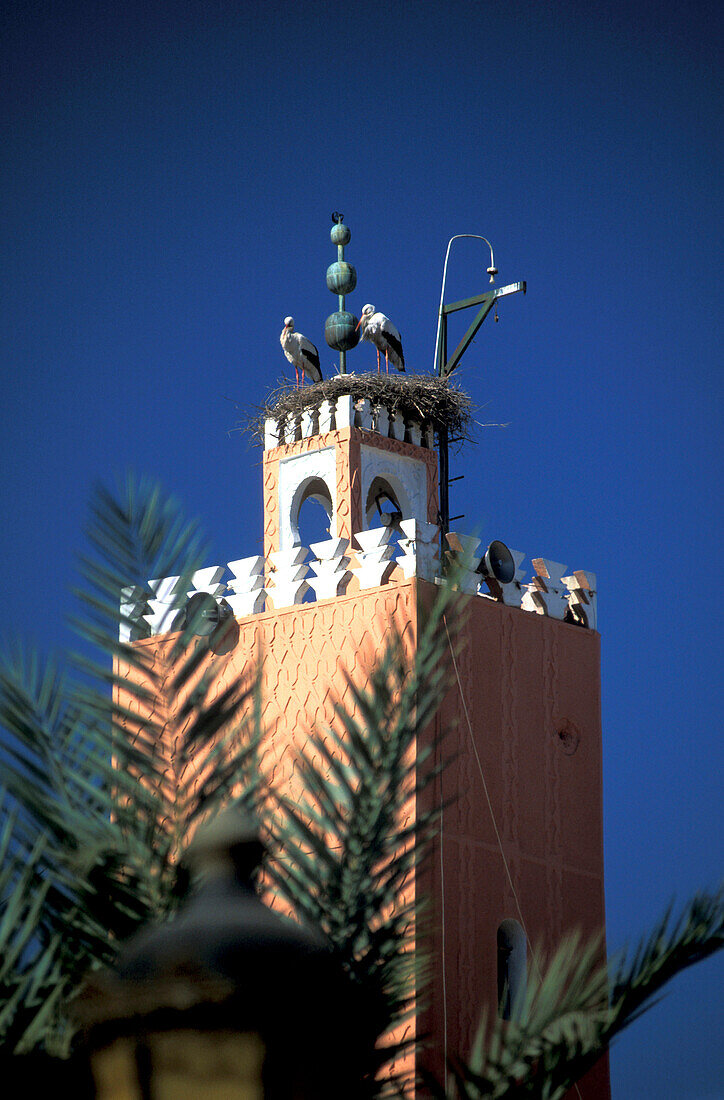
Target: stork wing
(310, 357)
(393, 338)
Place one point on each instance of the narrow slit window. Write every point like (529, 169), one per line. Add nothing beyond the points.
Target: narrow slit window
(512, 967)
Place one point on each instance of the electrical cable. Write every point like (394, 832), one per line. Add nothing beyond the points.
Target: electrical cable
(495, 826)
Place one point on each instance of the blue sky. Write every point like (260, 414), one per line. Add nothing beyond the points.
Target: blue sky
(169, 171)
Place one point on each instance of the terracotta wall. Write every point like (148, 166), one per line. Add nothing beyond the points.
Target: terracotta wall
(532, 691)
(531, 686)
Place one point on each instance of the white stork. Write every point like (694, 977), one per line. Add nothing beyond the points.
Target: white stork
(380, 331)
(300, 352)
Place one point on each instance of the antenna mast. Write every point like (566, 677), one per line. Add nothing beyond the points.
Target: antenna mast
(444, 367)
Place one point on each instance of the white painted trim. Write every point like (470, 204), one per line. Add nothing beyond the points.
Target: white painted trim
(294, 475)
(407, 477)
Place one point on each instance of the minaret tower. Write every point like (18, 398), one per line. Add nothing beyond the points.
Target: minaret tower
(519, 860)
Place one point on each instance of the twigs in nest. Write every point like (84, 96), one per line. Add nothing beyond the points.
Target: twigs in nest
(424, 398)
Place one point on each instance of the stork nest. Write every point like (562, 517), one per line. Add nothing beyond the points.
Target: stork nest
(421, 397)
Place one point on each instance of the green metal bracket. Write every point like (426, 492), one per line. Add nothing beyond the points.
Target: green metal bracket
(469, 336)
(446, 366)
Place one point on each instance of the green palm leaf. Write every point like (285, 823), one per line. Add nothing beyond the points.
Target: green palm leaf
(573, 1012)
(343, 850)
(98, 761)
(110, 759)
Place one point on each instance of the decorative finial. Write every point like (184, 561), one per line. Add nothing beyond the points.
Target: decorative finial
(340, 330)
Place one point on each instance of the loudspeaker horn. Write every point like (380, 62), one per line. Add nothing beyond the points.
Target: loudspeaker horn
(498, 563)
(204, 614)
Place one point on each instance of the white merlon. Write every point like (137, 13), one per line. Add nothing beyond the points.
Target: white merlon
(133, 597)
(465, 558)
(246, 570)
(134, 606)
(344, 413)
(397, 426)
(372, 540)
(271, 434)
(330, 549)
(164, 588)
(207, 580)
(363, 414)
(165, 604)
(582, 601)
(247, 593)
(309, 422)
(419, 549)
(374, 556)
(288, 574)
(546, 593)
(415, 433)
(289, 429)
(326, 414)
(330, 567)
(382, 420)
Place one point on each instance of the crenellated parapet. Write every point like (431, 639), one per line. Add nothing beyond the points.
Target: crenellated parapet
(347, 411)
(548, 592)
(380, 556)
(363, 448)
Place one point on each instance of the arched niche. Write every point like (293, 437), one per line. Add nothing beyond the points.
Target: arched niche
(512, 967)
(312, 516)
(403, 478)
(302, 479)
(385, 495)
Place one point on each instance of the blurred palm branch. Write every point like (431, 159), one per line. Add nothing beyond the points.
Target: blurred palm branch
(110, 759)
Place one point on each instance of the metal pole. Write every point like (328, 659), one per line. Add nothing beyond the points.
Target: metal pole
(443, 446)
(342, 354)
(444, 454)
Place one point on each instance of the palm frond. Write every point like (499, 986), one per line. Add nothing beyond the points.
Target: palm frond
(108, 763)
(110, 760)
(574, 1011)
(347, 844)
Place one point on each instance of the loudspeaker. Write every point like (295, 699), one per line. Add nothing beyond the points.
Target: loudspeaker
(204, 614)
(497, 562)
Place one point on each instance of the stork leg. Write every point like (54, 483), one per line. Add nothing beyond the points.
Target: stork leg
(296, 371)
(387, 362)
(378, 359)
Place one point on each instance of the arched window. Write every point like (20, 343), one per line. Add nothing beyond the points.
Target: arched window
(314, 516)
(512, 967)
(385, 506)
(313, 520)
(385, 497)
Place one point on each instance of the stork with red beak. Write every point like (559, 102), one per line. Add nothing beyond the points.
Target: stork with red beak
(380, 331)
(300, 352)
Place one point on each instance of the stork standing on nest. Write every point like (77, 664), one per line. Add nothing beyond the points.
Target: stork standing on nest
(380, 331)
(300, 352)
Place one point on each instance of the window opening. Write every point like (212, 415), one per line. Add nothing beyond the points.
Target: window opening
(383, 509)
(512, 968)
(314, 521)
